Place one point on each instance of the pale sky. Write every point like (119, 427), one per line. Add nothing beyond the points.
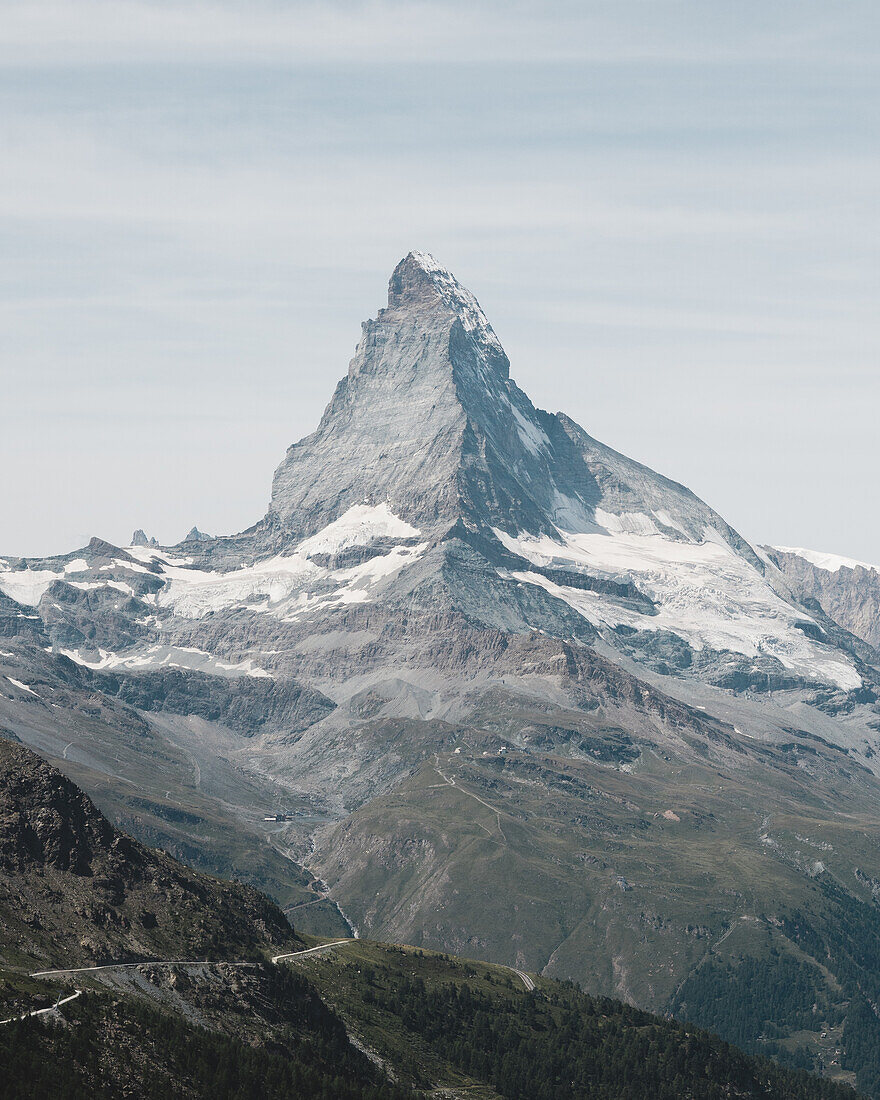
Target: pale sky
(670, 212)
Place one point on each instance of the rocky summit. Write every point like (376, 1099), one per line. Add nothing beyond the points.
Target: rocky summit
(480, 683)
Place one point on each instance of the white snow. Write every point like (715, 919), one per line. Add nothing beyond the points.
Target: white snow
(359, 526)
(704, 592)
(165, 656)
(86, 586)
(150, 554)
(533, 438)
(132, 566)
(22, 686)
(629, 523)
(196, 592)
(27, 586)
(664, 517)
(383, 565)
(831, 563)
(291, 585)
(570, 513)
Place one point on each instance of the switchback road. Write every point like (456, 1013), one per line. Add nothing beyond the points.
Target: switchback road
(40, 1011)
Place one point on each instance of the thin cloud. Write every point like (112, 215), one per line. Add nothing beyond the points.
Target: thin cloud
(81, 32)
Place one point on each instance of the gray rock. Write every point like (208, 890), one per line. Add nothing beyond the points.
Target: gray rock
(850, 595)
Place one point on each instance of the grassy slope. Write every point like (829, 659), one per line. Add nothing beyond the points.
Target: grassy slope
(567, 867)
(556, 1042)
(552, 861)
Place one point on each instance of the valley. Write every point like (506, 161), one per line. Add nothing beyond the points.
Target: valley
(343, 1017)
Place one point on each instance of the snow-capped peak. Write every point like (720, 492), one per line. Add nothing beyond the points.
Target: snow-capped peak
(831, 563)
(454, 295)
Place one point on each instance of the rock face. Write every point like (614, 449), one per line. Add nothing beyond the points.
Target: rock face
(399, 427)
(47, 822)
(74, 889)
(429, 420)
(245, 703)
(849, 591)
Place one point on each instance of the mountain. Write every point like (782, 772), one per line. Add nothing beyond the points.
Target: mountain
(75, 892)
(430, 461)
(480, 683)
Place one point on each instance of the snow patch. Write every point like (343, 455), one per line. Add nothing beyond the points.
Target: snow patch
(86, 586)
(533, 438)
(150, 555)
(292, 585)
(383, 565)
(627, 523)
(571, 513)
(359, 526)
(664, 518)
(704, 592)
(27, 586)
(132, 566)
(166, 656)
(21, 686)
(831, 563)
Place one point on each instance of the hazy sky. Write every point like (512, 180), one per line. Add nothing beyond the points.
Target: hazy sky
(669, 210)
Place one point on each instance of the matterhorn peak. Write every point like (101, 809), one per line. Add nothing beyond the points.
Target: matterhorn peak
(428, 384)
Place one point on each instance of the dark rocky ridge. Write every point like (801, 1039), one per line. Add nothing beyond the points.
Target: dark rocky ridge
(74, 890)
(244, 703)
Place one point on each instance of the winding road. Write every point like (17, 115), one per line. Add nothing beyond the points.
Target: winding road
(524, 978)
(71, 972)
(134, 966)
(310, 950)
